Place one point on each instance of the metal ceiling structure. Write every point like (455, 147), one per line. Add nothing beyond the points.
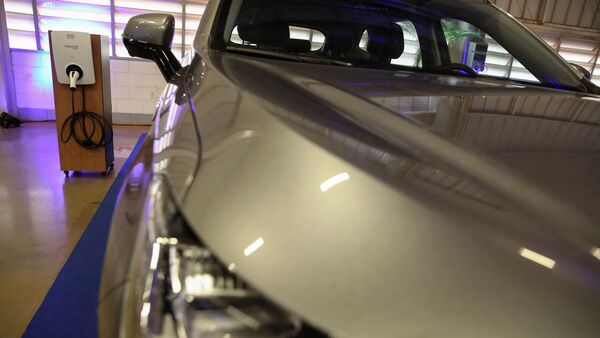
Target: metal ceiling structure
(571, 27)
(582, 15)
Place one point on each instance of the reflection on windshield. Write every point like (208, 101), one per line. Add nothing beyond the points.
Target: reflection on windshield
(440, 37)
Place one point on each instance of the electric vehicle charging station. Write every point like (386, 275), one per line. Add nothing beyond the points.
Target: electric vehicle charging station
(81, 79)
(73, 60)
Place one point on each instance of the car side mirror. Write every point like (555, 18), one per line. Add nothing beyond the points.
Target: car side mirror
(584, 72)
(150, 36)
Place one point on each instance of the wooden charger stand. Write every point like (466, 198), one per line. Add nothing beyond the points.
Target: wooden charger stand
(74, 157)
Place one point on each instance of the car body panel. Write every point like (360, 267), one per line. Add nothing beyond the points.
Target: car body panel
(413, 243)
(374, 203)
(368, 257)
(125, 228)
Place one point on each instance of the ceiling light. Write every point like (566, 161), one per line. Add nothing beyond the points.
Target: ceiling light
(536, 257)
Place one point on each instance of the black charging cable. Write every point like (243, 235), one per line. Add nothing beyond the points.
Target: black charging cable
(93, 130)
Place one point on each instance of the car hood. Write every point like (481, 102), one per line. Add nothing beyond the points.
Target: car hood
(391, 204)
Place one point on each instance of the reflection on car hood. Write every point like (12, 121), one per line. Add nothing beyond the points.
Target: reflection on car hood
(388, 204)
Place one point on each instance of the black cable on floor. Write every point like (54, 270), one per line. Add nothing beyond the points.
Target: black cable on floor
(84, 136)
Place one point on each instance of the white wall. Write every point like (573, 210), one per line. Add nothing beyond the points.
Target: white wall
(33, 85)
(135, 85)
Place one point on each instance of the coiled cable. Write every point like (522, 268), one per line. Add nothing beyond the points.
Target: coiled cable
(86, 136)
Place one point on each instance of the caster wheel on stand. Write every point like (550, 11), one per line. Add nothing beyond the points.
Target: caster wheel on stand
(110, 168)
(66, 173)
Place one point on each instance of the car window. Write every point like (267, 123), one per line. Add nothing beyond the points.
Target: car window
(300, 36)
(472, 47)
(313, 36)
(411, 57)
(317, 31)
(401, 34)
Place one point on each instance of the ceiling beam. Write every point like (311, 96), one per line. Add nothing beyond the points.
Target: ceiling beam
(576, 32)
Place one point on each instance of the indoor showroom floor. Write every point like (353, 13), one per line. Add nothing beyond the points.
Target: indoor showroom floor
(42, 214)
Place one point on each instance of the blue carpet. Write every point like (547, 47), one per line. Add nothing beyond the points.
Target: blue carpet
(70, 306)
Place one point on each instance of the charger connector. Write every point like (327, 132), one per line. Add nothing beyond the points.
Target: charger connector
(75, 73)
(73, 77)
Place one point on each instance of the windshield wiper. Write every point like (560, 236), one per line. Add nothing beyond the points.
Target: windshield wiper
(290, 57)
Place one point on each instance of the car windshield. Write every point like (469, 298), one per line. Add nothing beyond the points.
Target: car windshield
(462, 38)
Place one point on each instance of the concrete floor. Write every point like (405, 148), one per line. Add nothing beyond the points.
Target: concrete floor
(42, 214)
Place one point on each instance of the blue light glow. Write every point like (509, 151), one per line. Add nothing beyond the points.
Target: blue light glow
(42, 76)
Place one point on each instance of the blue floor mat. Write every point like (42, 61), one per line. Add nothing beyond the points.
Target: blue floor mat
(70, 306)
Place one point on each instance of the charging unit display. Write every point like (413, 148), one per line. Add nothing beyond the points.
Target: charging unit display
(81, 78)
(73, 60)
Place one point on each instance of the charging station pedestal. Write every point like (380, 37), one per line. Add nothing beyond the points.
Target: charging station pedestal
(73, 157)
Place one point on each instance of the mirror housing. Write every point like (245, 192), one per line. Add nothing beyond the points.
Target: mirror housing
(580, 70)
(150, 36)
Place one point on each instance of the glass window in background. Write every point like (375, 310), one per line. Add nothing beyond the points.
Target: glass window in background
(472, 47)
(92, 16)
(194, 9)
(125, 9)
(19, 21)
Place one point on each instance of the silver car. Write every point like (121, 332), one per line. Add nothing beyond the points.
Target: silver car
(359, 168)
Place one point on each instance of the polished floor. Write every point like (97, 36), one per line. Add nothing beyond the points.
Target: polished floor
(42, 214)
